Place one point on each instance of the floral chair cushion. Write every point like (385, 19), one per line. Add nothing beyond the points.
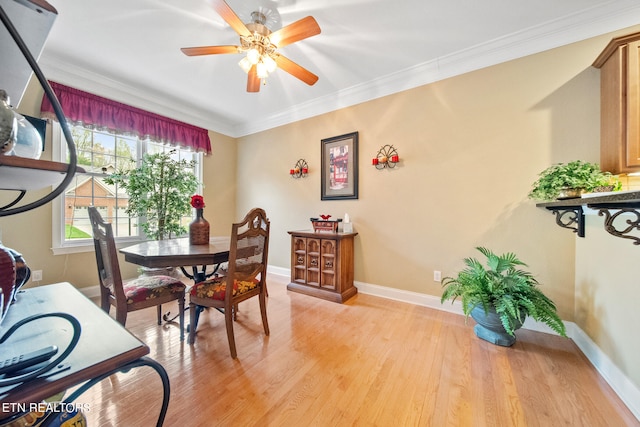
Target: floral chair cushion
(149, 287)
(216, 287)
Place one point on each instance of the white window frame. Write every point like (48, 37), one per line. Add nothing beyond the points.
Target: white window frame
(61, 246)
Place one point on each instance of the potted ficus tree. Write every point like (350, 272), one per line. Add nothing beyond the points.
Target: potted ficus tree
(564, 181)
(159, 191)
(500, 296)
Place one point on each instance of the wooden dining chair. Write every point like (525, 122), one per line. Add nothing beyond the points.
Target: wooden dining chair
(245, 277)
(135, 294)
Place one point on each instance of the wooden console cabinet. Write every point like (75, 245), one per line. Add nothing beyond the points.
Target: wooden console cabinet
(322, 265)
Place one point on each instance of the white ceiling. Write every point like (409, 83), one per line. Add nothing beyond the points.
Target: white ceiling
(129, 50)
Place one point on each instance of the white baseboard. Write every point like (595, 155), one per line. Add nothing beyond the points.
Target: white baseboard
(278, 271)
(619, 382)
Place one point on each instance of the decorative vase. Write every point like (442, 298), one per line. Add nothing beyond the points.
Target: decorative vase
(489, 327)
(18, 137)
(8, 125)
(199, 230)
(28, 141)
(7, 279)
(23, 272)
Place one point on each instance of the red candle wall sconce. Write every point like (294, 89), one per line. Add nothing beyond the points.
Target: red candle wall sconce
(300, 170)
(387, 157)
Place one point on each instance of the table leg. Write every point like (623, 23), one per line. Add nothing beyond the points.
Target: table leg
(199, 276)
(196, 319)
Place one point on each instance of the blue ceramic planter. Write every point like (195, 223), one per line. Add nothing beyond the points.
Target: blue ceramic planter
(489, 327)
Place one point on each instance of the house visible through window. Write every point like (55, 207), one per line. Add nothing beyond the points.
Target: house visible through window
(110, 136)
(101, 153)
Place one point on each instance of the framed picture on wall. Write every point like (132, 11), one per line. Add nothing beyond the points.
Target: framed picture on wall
(339, 179)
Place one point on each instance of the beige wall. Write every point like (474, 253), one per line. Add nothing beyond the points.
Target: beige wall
(471, 146)
(607, 291)
(220, 187)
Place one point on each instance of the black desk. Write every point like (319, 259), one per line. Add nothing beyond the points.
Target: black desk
(104, 346)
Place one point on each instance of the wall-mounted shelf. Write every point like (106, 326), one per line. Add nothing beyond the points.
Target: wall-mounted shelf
(570, 213)
(20, 173)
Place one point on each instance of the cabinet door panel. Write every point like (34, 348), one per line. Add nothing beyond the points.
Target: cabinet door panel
(328, 264)
(613, 111)
(619, 65)
(313, 262)
(299, 260)
(633, 105)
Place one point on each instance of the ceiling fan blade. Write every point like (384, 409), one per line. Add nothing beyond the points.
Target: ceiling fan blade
(253, 82)
(296, 70)
(225, 11)
(208, 50)
(299, 30)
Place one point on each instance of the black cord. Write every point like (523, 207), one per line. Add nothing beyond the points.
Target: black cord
(17, 199)
(36, 373)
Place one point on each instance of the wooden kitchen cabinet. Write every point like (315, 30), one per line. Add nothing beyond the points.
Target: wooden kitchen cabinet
(619, 65)
(322, 265)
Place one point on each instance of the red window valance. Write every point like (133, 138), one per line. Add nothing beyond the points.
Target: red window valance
(101, 113)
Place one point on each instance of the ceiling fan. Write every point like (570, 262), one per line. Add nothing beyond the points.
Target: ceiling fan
(261, 45)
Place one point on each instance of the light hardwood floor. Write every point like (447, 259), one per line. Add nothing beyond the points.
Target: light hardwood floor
(368, 362)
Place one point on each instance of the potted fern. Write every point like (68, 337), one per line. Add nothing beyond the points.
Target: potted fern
(160, 192)
(565, 181)
(499, 297)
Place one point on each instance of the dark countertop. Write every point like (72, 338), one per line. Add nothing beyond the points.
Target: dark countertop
(618, 198)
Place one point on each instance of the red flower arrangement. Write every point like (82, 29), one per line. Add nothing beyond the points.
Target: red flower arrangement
(197, 201)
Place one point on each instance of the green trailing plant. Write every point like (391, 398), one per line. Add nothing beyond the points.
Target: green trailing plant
(579, 175)
(502, 285)
(159, 192)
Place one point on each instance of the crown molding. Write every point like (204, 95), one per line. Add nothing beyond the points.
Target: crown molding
(602, 19)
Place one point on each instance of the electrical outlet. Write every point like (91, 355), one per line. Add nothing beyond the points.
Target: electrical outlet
(437, 276)
(36, 275)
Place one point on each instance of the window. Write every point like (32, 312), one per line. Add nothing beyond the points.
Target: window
(100, 153)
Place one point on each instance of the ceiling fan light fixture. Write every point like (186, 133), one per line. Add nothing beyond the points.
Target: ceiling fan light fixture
(261, 70)
(245, 64)
(253, 55)
(269, 63)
